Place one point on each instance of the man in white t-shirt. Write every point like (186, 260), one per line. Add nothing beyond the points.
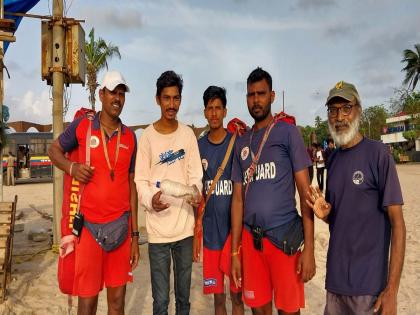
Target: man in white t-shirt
(168, 149)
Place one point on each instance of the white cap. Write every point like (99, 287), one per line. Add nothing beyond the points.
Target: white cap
(112, 79)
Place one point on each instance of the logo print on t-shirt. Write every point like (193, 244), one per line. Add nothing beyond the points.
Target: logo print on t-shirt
(171, 157)
(94, 142)
(358, 177)
(205, 164)
(244, 153)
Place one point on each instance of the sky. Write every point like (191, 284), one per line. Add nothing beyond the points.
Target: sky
(306, 45)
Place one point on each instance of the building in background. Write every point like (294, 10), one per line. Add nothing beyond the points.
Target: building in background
(397, 134)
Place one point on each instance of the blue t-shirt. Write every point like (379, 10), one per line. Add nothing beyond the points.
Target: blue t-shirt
(271, 194)
(362, 182)
(216, 220)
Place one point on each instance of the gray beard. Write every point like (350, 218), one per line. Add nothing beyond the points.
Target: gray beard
(344, 138)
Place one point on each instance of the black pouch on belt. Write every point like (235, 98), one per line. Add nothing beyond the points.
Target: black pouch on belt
(257, 237)
(110, 235)
(287, 237)
(257, 233)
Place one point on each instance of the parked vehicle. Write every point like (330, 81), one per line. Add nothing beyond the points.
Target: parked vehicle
(30, 150)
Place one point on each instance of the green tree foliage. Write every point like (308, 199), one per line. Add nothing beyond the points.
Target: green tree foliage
(306, 134)
(321, 131)
(410, 135)
(405, 101)
(97, 54)
(412, 67)
(373, 120)
(411, 104)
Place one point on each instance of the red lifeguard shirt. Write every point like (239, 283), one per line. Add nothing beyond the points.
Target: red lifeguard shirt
(103, 199)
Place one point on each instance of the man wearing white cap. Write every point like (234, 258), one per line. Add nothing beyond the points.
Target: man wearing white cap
(108, 198)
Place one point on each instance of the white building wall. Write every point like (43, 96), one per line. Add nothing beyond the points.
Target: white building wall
(393, 138)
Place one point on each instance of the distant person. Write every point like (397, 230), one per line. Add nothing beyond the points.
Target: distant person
(27, 158)
(10, 164)
(320, 166)
(311, 153)
(168, 150)
(109, 197)
(214, 147)
(363, 208)
(21, 156)
(327, 153)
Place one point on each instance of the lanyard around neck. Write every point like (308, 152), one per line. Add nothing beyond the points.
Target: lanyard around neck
(117, 150)
(257, 156)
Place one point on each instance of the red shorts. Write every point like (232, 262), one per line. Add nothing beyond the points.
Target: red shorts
(268, 271)
(95, 267)
(216, 265)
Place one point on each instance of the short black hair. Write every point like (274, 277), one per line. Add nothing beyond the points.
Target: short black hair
(168, 79)
(258, 75)
(214, 92)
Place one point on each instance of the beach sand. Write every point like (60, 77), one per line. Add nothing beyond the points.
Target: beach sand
(34, 290)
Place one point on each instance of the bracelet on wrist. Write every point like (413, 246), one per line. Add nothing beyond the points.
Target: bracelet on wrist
(236, 253)
(71, 168)
(135, 234)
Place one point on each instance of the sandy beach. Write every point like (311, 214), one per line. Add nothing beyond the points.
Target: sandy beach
(34, 290)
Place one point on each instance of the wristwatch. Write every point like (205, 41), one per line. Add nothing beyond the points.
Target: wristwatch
(135, 233)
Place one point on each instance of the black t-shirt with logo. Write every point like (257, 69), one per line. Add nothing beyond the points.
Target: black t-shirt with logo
(216, 220)
(270, 201)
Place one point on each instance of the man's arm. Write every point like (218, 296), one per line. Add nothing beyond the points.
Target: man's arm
(135, 255)
(57, 157)
(80, 172)
(306, 265)
(237, 212)
(387, 300)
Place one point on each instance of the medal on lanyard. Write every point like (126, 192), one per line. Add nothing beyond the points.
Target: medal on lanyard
(117, 150)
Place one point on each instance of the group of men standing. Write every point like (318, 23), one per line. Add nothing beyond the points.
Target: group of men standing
(252, 231)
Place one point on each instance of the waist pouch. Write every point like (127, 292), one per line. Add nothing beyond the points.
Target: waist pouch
(287, 237)
(110, 235)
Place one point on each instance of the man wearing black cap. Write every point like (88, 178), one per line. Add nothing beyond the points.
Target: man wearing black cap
(363, 209)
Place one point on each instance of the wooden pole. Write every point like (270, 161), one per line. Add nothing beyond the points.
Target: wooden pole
(57, 111)
(1, 103)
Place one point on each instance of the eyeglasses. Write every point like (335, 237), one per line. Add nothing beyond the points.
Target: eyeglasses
(345, 110)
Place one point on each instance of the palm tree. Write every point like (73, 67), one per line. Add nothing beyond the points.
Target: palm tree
(412, 68)
(97, 54)
(318, 121)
